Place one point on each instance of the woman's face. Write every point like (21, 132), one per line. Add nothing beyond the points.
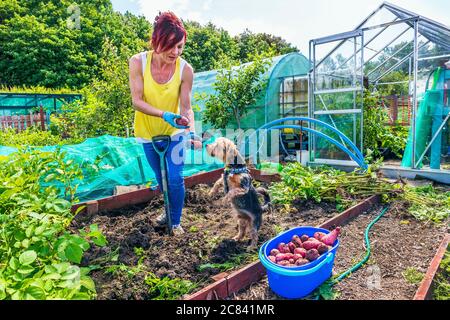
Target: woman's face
(171, 55)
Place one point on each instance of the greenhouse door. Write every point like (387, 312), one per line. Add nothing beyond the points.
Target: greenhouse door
(336, 94)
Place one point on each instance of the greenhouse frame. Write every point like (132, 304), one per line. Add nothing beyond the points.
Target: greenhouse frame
(390, 40)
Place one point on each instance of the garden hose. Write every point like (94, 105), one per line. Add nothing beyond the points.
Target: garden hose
(368, 252)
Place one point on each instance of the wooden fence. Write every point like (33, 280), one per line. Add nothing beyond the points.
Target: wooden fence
(21, 122)
(399, 110)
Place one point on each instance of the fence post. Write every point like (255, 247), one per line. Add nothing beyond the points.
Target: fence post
(41, 112)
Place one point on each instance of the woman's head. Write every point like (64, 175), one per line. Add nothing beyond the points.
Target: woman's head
(169, 35)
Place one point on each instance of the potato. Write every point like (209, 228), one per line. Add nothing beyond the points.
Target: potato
(292, 247)
(312, 243)
(297, 256)
(280, 247)
(312, 254)
(272, 258)
(283, 262)
(304, 238)
(274, 252)
(300, 251)
(319, 235)
(322, 248)
(298, 242)
(301, 262)
(288, 256)
(280, 257)
(291, 261)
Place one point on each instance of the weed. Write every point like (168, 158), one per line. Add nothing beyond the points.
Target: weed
(412, 275)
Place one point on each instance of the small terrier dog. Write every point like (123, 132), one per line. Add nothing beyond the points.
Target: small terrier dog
(237, 183)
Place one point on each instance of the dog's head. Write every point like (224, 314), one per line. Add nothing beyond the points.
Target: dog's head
(225, 150)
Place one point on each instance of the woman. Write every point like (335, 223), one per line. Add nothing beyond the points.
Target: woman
(161, 85)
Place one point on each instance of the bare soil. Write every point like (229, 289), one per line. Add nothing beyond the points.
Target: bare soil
(401, 246)
(210, 226)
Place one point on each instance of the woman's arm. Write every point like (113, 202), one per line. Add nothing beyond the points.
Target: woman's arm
(187, 80)
(137, 88)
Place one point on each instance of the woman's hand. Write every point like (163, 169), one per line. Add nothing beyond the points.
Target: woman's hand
(195, 141)
(175, 120)
(196, 144)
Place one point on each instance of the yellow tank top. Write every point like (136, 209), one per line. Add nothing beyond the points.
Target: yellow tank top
(165, 97)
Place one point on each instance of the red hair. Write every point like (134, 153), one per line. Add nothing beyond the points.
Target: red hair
(168, 30)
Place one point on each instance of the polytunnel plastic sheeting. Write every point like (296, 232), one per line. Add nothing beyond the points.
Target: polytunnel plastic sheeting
(267, 106)
(109, 161)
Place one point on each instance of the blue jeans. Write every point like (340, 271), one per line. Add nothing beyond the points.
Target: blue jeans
(174, 166)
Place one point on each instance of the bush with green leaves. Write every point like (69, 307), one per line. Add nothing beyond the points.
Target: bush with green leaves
(39, 258)
(378, 135)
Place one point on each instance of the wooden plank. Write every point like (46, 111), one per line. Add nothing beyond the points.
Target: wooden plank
(264, 177)
(215, 291)
(244, 277)
(425, 290)
(126, 199)
(351, 212)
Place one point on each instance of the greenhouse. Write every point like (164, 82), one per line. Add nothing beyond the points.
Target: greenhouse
(391, 47)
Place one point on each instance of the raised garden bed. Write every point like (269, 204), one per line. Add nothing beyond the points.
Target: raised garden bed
(200, 256)
(402, 250)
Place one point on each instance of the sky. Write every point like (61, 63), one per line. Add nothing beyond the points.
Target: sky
(296, 21)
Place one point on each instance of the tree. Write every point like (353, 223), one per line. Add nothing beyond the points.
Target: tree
(39, 48)
(205, 44)
(236, 88)
(250, 44)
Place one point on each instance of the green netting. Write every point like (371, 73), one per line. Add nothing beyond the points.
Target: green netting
(109, 161)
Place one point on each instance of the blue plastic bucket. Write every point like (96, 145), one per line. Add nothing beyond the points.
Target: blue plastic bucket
(297, 282)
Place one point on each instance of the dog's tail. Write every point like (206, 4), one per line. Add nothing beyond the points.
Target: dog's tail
(267, 206)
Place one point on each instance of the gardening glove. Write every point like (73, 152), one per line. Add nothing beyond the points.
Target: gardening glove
(170, 118)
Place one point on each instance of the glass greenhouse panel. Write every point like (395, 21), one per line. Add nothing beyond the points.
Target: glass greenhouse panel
(338, 102)
(349, 125)
(340, 69)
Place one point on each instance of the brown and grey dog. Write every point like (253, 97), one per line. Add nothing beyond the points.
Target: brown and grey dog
(237, 183)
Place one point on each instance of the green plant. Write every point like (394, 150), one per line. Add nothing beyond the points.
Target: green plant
(412, 275)
(166, 288)
(38, 257)
(32, 136)
(325, 291)
(377, 134)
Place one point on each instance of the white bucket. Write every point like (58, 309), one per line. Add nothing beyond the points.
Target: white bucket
(302, 156)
